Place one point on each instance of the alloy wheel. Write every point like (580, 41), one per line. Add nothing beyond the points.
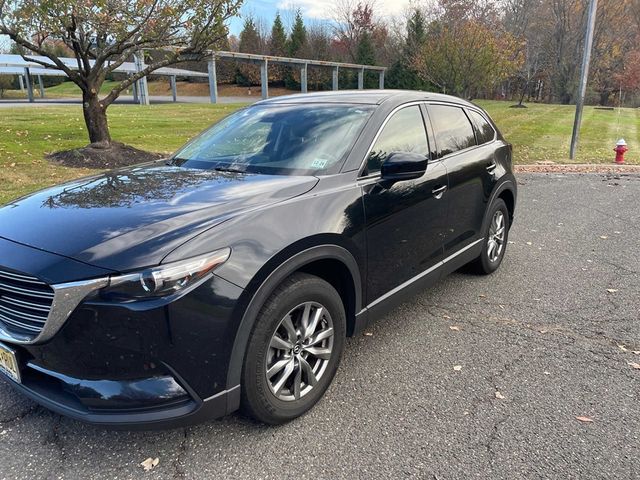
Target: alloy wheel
(299, 351)
(495, 243)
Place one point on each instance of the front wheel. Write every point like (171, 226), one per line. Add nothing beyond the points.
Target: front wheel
(294, 349)
(495, 239)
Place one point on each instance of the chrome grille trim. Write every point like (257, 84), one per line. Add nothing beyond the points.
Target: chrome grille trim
(24, 304)
(16, 323)
(26, 291)
(22, 278)
(29, 316)
(39, 310)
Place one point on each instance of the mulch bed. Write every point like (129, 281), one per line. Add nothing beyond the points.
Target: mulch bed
(99, 156)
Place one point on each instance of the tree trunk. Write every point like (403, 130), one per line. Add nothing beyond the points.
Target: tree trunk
(604, 98)
(95, 117)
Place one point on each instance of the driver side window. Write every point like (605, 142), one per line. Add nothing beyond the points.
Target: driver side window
(404, 132)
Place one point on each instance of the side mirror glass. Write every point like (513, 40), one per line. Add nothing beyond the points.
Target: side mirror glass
(403, 166)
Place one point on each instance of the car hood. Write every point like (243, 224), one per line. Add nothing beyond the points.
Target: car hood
(134, 217)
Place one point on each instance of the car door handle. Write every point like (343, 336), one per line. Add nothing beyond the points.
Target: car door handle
(491, 167)
(438, 192)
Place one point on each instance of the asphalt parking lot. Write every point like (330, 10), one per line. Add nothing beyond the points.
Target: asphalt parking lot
(479, 377)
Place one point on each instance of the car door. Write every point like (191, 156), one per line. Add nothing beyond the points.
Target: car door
(405, 220)
(470, 170)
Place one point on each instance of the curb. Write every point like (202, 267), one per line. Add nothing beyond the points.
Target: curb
(577, 168)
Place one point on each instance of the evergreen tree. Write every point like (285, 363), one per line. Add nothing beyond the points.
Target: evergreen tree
(249, 37)
(278, 41)
(416, 33)
(401, 74)
(247, 74)
(366, 53)
(296, 43)
(298, 36)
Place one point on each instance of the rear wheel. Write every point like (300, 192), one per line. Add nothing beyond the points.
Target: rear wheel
(294, 349)
(495, 239)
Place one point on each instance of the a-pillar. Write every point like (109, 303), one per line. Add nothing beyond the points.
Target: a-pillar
(361, 79)
(381, 80)
(335, 78)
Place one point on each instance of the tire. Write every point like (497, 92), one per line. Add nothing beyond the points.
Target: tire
(265, 395)
(489, 261)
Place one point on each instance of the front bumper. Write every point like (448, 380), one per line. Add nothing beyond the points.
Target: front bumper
(181, 414)
(148, 364)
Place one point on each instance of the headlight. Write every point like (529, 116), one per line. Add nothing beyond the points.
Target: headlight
(164, 280)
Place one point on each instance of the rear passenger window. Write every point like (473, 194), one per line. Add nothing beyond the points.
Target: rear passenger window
(404, 132)
(484, 131)
(452, 129)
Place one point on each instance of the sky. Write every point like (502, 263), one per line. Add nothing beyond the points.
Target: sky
(312, 10)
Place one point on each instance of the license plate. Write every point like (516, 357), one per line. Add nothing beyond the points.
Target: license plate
(9, 363)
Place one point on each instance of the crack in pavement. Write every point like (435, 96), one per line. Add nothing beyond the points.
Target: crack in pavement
(21, 416)
(178, 463)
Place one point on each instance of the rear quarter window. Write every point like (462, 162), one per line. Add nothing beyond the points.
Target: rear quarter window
(484, 131)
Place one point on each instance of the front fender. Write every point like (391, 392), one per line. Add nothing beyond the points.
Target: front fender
(259, 292)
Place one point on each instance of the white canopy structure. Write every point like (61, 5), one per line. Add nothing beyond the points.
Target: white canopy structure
(25, 70)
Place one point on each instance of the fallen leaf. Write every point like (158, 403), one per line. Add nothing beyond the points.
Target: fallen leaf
(529, 243)
(482, 295)
(150, 463)
(604, 237)
(454, 327)
(612, 290)
(368, 334)
(499, 396)
(585, 419)
(543, 331)
(622, 347)
(636, 352)
(457, 368)
(634, 365)
(446, 316)
(547, 373)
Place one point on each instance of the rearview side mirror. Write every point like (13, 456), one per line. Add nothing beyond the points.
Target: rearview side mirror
(403, 166)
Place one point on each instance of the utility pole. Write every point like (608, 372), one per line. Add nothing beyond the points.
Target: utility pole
(586, 60)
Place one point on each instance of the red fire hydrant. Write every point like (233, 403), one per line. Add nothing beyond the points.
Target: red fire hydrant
(621, 149)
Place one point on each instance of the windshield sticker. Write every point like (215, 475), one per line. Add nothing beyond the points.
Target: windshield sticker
(319, 163)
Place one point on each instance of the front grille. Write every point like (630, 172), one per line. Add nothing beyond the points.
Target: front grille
(25, 303)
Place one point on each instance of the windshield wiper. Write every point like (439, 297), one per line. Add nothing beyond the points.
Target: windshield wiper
(229, 169)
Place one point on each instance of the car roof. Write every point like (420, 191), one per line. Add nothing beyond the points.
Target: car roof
(363, 97)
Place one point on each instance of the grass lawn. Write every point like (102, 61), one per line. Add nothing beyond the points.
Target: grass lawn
(538, 133)
(543, 132)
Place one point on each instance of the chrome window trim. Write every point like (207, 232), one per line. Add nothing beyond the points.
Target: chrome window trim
(66, 297)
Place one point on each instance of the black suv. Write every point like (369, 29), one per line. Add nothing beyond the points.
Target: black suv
(230, 274)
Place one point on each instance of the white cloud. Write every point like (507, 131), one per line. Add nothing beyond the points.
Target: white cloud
(325, 9)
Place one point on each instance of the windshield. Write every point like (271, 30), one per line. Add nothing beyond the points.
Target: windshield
(278, 140)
